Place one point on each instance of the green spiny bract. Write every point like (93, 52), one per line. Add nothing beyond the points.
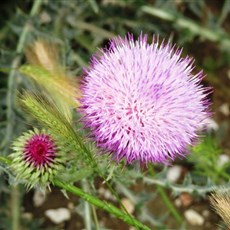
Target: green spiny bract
(37, 158)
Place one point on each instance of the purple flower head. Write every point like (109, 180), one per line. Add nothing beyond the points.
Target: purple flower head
(142, 102)
(40, 150)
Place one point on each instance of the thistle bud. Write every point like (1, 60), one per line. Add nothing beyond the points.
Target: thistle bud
(37, 158)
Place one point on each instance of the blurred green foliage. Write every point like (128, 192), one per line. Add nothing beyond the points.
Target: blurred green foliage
(81, 27)
(206, 157)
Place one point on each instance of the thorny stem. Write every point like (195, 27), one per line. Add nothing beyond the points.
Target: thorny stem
(84, 148)
(77, 141)
(10, 99)
(201, 190)
(117, 212)
(87, 213)
(94, 201)
(101, 204)
(169, 204)
(166, 200)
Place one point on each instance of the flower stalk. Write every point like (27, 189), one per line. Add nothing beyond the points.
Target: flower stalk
(166, 200)
(104, 205)
(101, 204)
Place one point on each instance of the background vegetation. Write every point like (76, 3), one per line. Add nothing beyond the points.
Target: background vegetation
(80, 27)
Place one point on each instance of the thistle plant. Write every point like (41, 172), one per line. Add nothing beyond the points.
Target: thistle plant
(140, 101)
(114, 130)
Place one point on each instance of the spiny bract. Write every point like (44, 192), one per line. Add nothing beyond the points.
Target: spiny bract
(37, 158)
(142, 102)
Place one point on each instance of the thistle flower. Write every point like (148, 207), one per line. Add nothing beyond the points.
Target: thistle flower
(142, 102)
(220, 201)
(37, 158)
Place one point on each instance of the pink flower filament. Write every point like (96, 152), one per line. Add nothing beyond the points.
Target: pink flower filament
(40, 150)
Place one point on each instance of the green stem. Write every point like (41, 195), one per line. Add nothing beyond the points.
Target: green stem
(201, 190)
(94, 201)
(95, 218)
(87, 213)
(15, 207)
(166, 200)
(101, 204)
(169, 204)
(40, 111)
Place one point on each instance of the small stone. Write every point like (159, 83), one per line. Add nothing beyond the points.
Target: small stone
(178, 203)
(27, 216)
(39, 198)
(186, 199)
(45, 17)
(194, 218)
(174, 173)
(205, 213)
(70, 206)
(132, 228)
(223, 159)
(101, 190)
(224, 108)
(59, 215)
(106, 194)
(128, 205)
(211, 124)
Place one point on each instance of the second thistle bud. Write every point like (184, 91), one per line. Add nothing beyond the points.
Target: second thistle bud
(37, 158)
